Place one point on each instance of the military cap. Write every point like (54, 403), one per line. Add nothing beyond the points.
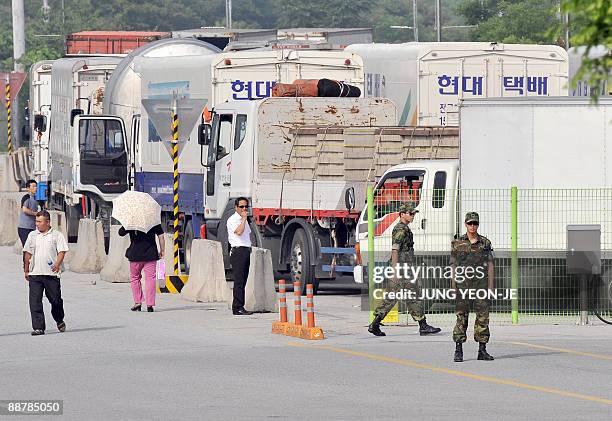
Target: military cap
(407, 208)
(472, 216)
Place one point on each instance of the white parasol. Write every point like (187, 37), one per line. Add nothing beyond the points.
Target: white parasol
(136, 211)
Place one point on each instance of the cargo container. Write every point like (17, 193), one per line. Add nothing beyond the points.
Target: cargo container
(427, 80)
(109, 42)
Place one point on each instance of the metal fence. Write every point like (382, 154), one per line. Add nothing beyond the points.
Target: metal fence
(528, 231)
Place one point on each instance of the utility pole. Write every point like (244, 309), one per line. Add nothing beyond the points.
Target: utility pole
(415, 24)
(46, 9)
(18, 52)
(439, 20)
(228, 13)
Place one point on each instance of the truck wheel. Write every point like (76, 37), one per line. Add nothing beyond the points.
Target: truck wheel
(300, 261)
(187, 243)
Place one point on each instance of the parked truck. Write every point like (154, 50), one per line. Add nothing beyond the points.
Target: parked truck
(82, 145)
(303, 163)
(40, 105)
(427, 80)
(236, 76)
(120, 43)
(556, 151)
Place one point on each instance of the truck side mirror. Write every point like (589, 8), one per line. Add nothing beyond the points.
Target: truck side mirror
(40, 123)
(349, 198)
(204, 132)
(73, 113)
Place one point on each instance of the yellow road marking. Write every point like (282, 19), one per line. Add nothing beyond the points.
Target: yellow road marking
(565, 350)
(487, 379)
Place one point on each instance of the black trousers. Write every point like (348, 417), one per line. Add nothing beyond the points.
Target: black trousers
(23, 234)
(51, 287)
(240, 259)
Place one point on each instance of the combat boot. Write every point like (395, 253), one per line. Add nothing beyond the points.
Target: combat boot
(374, 327)
(458, 352)
(425, 329)
(483, 354)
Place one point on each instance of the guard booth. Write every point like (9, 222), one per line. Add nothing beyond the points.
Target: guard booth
(583, 259)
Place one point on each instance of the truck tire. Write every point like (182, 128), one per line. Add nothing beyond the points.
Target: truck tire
(300, 264)
(187, 243)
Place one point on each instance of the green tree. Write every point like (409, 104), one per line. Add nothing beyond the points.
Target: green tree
(594, 18)
(511, 21)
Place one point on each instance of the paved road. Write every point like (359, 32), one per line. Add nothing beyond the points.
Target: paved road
(196, 361)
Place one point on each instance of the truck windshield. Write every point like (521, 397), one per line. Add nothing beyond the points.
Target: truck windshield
(99, 138)
(395, 189)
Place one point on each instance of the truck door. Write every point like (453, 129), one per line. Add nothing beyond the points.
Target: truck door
(102, 154)
(219, 173)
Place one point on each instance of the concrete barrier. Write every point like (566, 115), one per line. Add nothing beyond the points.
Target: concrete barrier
(17, 247)
(207, 282)
(90, 255)
(168, 256)
(9, 219)
(260, 292)
(117, 266)
(58, 222)
(7, 178)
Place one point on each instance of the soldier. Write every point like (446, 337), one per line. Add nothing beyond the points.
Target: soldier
(472, 250)
(402, 252)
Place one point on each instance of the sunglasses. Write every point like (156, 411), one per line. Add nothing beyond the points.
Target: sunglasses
(473, 223)
(244, 206)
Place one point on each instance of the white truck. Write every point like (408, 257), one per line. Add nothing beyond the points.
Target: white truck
(303, 163)
(83, 147)
(427, 80)
(550, 144)
(40, 105)
(236, 76)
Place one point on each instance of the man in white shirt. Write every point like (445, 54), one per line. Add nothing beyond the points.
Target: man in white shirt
(239, 236)
(44, 252)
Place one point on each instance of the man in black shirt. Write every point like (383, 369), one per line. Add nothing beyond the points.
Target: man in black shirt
(143, 255)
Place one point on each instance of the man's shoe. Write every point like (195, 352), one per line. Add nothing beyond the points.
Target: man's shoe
(459, 352)
(483, 354)
(242, 312)
(37, 332)
(61, 326)
(374, 327)
(425, 329)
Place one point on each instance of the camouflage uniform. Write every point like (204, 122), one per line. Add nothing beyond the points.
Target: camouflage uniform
(466, 254)
(403, 242)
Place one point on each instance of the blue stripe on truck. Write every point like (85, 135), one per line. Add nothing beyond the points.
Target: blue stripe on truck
(159, 186)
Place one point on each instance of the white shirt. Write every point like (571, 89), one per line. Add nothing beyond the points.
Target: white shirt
(44, 248)
(236, 240)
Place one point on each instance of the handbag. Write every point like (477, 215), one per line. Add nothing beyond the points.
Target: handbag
(160, 274)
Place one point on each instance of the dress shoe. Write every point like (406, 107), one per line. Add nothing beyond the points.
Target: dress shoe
(61, 326)
(37, 332)
(137, 307)
(150, 309)
(242, 312)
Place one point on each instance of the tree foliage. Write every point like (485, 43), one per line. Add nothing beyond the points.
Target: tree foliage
(596, 29)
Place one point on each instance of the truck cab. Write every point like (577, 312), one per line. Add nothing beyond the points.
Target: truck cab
(429, 185)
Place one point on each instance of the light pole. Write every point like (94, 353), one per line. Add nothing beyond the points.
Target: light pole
(228, 13)
(415, 24)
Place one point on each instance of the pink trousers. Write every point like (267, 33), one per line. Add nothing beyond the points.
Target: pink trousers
(136, 269)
